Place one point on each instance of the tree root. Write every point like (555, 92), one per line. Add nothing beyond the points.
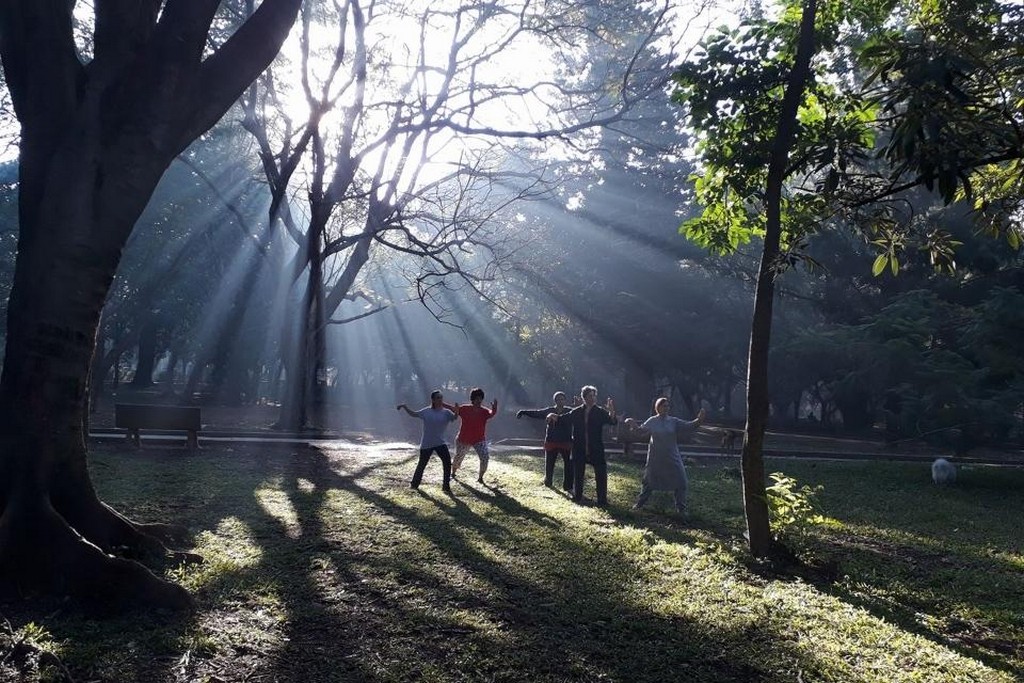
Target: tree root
(133, 540)
(113, 532)
(39, 551)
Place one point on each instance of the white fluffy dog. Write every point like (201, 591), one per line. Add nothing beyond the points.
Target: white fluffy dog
(943, 472)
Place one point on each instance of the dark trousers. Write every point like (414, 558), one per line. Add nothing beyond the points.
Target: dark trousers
(446, 463)
(550, 458)
(600, 475)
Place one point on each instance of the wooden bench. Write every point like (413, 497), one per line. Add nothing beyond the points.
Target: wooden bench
(628, 437)
(134, 417)
(634, 441)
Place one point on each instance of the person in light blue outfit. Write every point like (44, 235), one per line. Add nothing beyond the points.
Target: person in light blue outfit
(436, 419)
(665, 470)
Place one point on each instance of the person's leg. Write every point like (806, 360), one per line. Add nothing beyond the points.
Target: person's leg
(645, 494)
(484, 451)
(567, 473)
(579, 471)
(460, 453)
(681, 492)
(417, 476)
(601, 476)
(446, 465)
(549, 466)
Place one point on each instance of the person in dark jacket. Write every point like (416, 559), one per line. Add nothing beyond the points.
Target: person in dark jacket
(588, 421)
(557, 440)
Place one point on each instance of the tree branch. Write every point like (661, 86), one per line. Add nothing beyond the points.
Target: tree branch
(226, 73)
(41, 64)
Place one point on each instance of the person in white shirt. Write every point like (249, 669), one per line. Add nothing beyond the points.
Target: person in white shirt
(436, 419)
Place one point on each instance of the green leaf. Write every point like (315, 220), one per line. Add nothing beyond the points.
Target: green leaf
(879, 264)
(1013, 237)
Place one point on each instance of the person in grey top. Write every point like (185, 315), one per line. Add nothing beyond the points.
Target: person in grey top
(665, 470)
(436, 419)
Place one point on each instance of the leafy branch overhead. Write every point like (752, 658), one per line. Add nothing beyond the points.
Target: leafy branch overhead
(903, 95)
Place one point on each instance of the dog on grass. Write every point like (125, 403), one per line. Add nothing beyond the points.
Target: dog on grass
(943, 472)
(729, 439)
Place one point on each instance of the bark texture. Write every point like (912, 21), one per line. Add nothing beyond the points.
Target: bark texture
(96, 138)
(755, 502)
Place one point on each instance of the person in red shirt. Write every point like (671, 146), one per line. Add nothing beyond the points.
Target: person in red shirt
(473, 430)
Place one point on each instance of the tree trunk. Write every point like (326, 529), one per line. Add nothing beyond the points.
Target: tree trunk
(95, 141)
(295, 359)
(755, 502)
(146, 357)
(52, 323)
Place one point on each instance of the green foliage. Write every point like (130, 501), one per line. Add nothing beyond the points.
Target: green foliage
(791, 505)
(732, 90)
(998, 200)
(948, 82)
(937, 85)
(26, 654)
(950, 373)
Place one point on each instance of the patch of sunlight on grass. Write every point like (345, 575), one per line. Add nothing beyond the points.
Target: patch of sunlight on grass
(832, 639)
(1015, 560)
(900, 536)
(278, 505)
(228, 550)
(855, 644)
(305, 485)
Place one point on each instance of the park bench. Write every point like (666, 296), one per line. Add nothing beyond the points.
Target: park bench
(627, 437)
(134, 417)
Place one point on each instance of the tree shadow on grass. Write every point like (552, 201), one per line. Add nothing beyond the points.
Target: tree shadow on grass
(928, 576)
(365, 580)
(900, 558)
(923, 591)
(572, 618)
(439, 601)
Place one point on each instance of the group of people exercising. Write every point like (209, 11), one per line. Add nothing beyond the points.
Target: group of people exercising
(574, 434)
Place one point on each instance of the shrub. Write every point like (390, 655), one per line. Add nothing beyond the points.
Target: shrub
(791, 505)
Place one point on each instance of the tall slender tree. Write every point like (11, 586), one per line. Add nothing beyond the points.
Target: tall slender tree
(802, 129)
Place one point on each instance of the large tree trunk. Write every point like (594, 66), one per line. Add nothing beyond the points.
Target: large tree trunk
(755, 502)
(95, 140)
(52, 324)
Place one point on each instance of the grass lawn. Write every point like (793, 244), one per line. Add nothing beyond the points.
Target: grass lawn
(322, 565)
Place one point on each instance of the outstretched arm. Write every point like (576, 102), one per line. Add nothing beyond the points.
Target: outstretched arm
(698, 420)
(402, 406)
(538, 413)
(636, 426)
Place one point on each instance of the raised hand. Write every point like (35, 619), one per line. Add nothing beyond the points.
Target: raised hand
(494, 406)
